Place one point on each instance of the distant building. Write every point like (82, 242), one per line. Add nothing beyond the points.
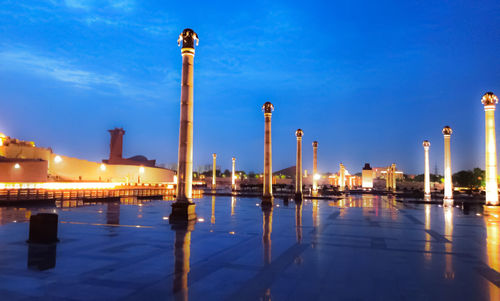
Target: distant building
(23, 161)
(116, 151)
(367, 177)
(381, 172)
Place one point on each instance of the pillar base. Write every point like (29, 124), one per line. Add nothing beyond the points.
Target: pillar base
(448, 202)
(182, 212)
(267, 201)
(298, 197)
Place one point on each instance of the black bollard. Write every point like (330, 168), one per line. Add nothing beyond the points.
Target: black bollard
(43, 228)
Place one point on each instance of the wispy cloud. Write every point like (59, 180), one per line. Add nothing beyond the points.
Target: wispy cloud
(68, 72)
(123, 5)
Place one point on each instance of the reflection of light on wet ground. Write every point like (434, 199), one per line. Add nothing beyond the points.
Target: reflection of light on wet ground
(310, 251)
(448, 232)
(428, 237)
(492, 223)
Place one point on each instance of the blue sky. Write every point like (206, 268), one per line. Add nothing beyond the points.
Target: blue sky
(368, 80)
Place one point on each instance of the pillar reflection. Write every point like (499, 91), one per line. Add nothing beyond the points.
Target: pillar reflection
(233, 203)
(267, 229)
(315, 214)
(492, 224)
(113, 213)
(212, 218)
(448, 232)
(298, 221)
(182, 251)
(428, 237)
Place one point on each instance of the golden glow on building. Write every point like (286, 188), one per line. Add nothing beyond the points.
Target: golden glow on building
(61, 185)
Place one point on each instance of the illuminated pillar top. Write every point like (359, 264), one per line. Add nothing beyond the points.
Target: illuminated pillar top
(426, 144)
(447, 131)
(267, 108)
(315, 143)
(188, 38)
(299, 133)
(489, 101)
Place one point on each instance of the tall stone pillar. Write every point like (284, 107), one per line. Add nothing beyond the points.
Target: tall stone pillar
(448, 184)
(298, 166)
(388, 181)
(427, 178)
(233, 175)
(393, 172)
(184, 209)
(341, 177)
(489, 101)
(315, 165)
(214, 171)
(267, 194)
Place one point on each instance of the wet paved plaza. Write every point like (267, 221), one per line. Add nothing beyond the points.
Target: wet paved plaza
(359, 248)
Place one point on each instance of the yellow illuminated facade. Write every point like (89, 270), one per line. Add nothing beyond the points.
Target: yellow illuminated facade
(490, 101)
(390, 181)
(367, 177)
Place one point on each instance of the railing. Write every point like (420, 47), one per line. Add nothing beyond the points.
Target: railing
(80, 191)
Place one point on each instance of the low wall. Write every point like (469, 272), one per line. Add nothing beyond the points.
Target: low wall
(73, 169)
(28, 171)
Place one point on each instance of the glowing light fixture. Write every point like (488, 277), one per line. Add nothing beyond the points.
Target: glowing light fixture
(57, 159)
(17, 166)
(317, 176)
(103, 167)
(141, 169)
